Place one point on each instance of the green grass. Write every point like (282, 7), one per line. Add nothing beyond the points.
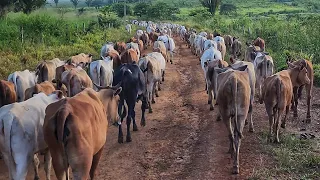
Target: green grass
(295, 159)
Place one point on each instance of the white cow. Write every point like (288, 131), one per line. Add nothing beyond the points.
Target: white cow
(263, 66)
(199, 44)
(128, 28)
(203, 34)
(22, 80)
(22, 135)
(139, 33)
(209, 55)
(106, 48)
(209, 43)
(159, 57)
(101, 72)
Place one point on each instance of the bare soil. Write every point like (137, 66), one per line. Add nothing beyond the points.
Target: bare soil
(182, 139)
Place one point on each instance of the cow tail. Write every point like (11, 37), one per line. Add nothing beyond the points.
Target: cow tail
(69, 82)
(278, 91)
(3, 90)
(99, 72)
(14, 79)
(45, 73)
(7, 122)
(234, 88)
(61, 119)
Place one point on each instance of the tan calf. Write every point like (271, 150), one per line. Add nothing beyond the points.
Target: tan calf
(74, 80)
(45, 87)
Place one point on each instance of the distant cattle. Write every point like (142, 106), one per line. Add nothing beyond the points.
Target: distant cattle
(80, 59)
(128, 28)
(75, 130)
(135, 47)
(74, 80)
(277, 93)
(236, 47)
(229, 41)
(133, 85)
(22, 80)
(160, 47)
(59, 71)
(46, 70)
(234, 103)
(260, 43)
(119, 47)
(297, 88)
(22, 134)
(158, 56)
(7, 93)
(45, 87)
(153, 37)
(129, 56)
(106, 48)
(251, 52)
(222, 48)
(145, 39)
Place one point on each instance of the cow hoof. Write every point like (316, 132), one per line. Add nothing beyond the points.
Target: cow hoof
(235, 170)
(120, 140)
(143, 123)
(162, 79)
(251, 130)
(246, 122)
(157, 95)
(209, 102)
(153, 102)
(36, 178)
(283, 125)
(171, 62)
(135, 128)
(295, 115)
(211, 108)
(218, 118)
(150, 111)
(128, 139)
(308, 120)
(159, 89)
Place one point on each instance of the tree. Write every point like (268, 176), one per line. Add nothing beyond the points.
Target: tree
(228, 9)
(212, 5)
(119, 9)
(26, 6)
(162, 11)
(4, 6)
(75, 3)
(56, 2)
(88, 2)
(141, 9)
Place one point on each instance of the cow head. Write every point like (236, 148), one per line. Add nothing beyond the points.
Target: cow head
(109, 96)
(299, 73)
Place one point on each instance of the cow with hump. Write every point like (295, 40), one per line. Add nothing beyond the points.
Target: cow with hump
(277, 93)
(133, 85)
(233, 98)
(45, 87)
(46, 70)
(7, 93)
(22, 134)
(22, 80)
(75, 130)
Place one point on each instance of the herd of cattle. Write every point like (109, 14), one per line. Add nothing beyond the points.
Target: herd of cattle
(37, 119)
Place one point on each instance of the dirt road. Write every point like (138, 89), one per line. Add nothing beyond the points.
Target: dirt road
(182, 139)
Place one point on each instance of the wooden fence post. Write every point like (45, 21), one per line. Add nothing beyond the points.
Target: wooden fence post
(84, 27)
(22, 34)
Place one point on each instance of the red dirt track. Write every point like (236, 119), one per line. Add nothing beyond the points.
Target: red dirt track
(182, 139)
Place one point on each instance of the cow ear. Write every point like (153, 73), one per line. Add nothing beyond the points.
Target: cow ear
(117, 91)
(59, 94)
(54, 81)
(206, 64)
(242, 68)
(266, 53)
(290, 64)
(220, 70)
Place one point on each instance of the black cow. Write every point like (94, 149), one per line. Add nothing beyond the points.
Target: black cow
(133, 89)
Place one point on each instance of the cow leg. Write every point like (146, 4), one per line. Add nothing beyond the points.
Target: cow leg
(47, 164)
(308, 89)
(156, 89)
(251, 129)
(210, 99)
(95, 161)
(277, 126)
(270, 113)
(159, 87)
(294, 101)
(120, 134)
(21, 161)
(153, 91)
(36, 164)
(163, 72)
(227, 121)
(143, 110)
(283, 124)
(128, 138)
(237, 143)
(61, 172)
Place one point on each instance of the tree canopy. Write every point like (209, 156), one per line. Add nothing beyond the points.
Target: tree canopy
(212, 5)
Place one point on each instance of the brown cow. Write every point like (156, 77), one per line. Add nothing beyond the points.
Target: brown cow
(114, 55)
(75, 130)
(45, 87)
(251, 52)
(59, 71)
(46, 70)
(236, 47)
(120, 47)
(74, 80)
(145, 39)
(129, 56)
(259, 42)
(228, 41)
(234, 102)
(297, 89)
(153, 37)
(211, 79)
(277, 95)
(7, 93)
(80, 58)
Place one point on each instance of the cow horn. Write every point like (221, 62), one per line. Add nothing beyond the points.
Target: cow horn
(108, 87)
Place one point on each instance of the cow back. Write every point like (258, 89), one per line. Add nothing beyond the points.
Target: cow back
(7, 93)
